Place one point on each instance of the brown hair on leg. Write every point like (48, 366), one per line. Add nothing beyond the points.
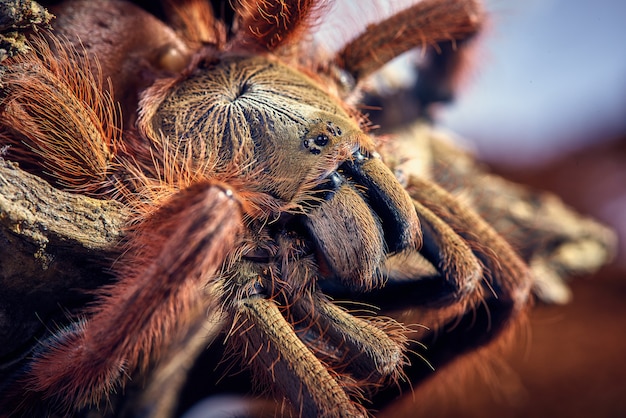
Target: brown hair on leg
(425, 24)
(172, 255)
(270, 24)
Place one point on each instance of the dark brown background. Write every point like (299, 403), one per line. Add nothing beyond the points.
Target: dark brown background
(570, 360)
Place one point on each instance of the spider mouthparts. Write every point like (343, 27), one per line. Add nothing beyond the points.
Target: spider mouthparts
(327, 189)
(363, 215)
(387, 198)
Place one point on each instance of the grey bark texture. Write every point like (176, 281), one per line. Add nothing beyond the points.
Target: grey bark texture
(53, 246)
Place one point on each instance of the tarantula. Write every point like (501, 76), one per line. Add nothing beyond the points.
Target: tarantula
(254, 193)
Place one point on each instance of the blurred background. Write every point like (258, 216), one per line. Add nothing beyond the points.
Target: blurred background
(548, 95)
(550, 78)
(544, 104)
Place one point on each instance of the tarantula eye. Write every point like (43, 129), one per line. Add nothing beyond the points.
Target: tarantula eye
(316, 142)
(321, 140)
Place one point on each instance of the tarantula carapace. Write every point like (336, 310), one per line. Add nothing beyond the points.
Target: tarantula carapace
(255, 194)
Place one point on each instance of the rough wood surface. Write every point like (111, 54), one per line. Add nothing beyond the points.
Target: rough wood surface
(17, 17)
(52, 245)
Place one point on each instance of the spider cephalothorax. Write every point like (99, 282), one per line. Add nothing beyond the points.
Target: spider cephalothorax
(295, 145)
(253, 194)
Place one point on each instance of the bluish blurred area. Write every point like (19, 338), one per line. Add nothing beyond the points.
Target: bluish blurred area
(550, 78)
